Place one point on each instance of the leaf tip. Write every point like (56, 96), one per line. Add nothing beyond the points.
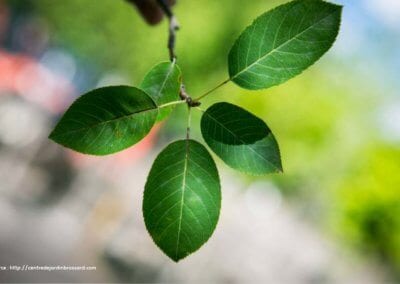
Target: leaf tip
(52, 136)
(336, 6)
(175, 259)
(174, 256)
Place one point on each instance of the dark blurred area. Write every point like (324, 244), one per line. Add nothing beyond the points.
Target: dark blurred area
(332, 217)
(150, 9)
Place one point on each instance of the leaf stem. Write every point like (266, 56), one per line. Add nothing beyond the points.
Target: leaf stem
(171, 104)
(188, 123)
(200, 109)
(212, 90)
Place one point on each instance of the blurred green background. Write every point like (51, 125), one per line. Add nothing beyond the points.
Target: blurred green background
(338, 123)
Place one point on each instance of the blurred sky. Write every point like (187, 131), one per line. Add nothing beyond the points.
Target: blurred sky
(369, 42)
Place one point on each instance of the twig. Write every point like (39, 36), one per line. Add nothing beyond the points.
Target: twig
(165, 7)
(184, 96)
(173, 27)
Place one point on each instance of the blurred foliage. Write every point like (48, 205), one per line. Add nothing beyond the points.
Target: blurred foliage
(334, 160)
(367, 203)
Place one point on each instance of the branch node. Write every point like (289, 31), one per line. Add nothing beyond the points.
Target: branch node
(185, 96)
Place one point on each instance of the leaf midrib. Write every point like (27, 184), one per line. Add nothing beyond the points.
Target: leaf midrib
(171, 69)
(280, 46)
(183, 196)
(105, 122)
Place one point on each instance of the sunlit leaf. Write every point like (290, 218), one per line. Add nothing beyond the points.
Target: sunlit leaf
(106, 120)
(283, 42)
(242, 140)
(182, 198)
(162, 84)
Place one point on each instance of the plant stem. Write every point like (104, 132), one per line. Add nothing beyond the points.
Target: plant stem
(212, 90)
(188, 123)
(184, 96)
(173, 27)
(171, 104)
(165, 7)
(200, 109)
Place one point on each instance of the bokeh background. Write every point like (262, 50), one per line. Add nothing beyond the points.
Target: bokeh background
(332, 217)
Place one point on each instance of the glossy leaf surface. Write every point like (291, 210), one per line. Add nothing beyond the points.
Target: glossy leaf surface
(162, 84)
(242, 140)
(182, 198)
(283, 42)
(106, 120)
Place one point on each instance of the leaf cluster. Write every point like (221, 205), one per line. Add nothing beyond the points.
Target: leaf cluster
(182, 196)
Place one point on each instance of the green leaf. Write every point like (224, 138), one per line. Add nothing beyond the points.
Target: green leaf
(106, 120)
(283, 42)
(182, 198)
(162, 84)
(242, 140)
